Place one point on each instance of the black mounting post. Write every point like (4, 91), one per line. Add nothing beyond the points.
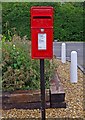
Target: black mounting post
(42, 85)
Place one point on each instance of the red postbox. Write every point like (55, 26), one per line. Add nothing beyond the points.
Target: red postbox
(42, 32)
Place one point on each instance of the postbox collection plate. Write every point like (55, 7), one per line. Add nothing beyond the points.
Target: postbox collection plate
(42, 41)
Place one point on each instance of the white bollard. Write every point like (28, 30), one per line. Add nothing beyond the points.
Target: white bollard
(63, 53)
(73, 67)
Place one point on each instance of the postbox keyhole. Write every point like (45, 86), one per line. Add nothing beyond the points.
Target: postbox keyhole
(42, 30)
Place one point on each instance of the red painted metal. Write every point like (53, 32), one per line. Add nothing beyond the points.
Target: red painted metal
(42, 28)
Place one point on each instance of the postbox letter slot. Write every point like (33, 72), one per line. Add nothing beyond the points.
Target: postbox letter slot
(42, 17)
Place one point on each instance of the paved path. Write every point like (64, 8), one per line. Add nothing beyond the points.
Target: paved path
(70, 46)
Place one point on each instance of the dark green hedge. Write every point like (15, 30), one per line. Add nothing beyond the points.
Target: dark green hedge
(68, 19)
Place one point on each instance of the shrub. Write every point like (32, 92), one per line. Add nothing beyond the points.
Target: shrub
(19, 71)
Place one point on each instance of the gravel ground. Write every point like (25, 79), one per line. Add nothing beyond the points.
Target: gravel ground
(73, 98)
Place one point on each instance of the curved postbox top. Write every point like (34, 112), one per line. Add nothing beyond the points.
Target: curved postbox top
(42, 17)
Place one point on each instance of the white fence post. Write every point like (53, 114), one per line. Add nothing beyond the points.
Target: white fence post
(73, 67)
(63, 53)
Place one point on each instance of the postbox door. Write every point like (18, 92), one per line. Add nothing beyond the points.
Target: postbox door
(42, 43)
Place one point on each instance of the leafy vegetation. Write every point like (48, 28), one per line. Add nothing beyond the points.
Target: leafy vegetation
(68, 20)
(19, 71)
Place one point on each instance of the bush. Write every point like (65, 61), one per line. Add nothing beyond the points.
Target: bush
(19, 71)
(68, 19)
